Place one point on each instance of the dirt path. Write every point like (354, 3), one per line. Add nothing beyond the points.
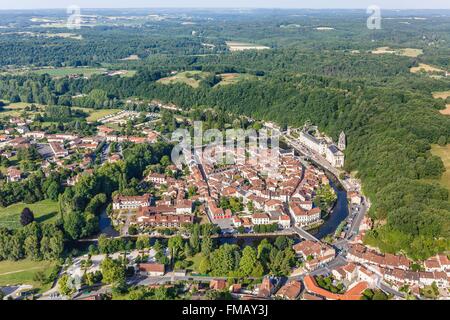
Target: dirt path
(17, 271)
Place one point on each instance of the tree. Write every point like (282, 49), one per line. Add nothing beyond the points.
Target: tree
(249, 264)
(65, 285)
(165, 161)
(73, 224)
(31, 246)
(379, 295)
(26, 217)
(194, 240)
(53, 191)
(207, 245)
(175, 245)
(113, 271)
(142, 242)
(442, 141)
(187, 250)
(204, 266)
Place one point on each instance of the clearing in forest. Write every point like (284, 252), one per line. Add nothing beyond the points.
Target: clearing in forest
(426, 68)
(444, 154)
(443, 95)
(406, 52)
(191, 78)
(241, 46)
(232, 78)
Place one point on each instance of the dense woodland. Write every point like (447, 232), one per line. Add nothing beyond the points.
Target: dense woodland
(387, 113)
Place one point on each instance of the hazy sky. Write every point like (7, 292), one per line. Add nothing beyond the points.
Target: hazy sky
(386, 4)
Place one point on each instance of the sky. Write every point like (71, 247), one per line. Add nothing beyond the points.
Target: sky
(313, 4)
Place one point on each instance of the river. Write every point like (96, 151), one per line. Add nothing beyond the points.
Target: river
(338, 214)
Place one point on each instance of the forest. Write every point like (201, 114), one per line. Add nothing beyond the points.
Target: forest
(388, 113)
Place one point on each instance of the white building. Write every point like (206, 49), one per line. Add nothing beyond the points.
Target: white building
(184, 207)
(313, 143)
(260, 218)
(284, 221)
(325, 147)
(131, 202)
(335, 156)
(303, 217)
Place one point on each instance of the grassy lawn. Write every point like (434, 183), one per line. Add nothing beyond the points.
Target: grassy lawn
(444, 154)
(44, 211)
(22, 272)
(191, 78)
(94, 115)
(195, 262)
(15, 109)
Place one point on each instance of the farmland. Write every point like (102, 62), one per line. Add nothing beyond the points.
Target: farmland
(426, 68)
(240, 46)
(44, 211)
(406, 52)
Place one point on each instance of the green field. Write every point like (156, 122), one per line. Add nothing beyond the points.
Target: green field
(62, 72)
(444, 154)
(195, 261)
(44, 211)
(191, 78)
(22, 272)
(15, 109)
(95, 115)
(232, 78)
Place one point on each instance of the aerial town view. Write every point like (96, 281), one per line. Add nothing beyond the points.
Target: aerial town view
(224, 151)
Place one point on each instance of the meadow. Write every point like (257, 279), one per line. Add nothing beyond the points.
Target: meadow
(44, 211)
(443, 95)
(426, 68)
(240, 46)
(191, 78)
(444, 154)
(95, 115)
(232, 78)
(406, 52)
(62, 72)
(23, 271)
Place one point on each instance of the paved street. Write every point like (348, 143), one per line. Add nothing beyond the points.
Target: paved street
(303, 234)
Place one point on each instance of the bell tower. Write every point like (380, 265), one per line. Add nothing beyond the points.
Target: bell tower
(342, 142)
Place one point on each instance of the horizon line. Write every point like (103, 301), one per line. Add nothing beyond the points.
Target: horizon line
(217, 8)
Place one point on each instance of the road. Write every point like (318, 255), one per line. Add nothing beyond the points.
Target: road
(313, 156)
(390, 290)
(348, 184)
(356, 223)
(126, 226)
(303, 234)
